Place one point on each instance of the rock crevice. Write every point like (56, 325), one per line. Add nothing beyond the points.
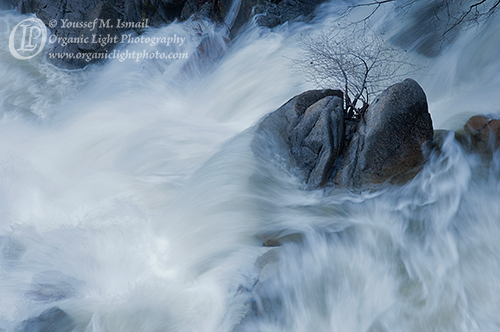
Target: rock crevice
(386, 145)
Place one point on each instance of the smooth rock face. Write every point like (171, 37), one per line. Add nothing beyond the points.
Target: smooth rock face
(316, 140)
(51, 320)
(311, 127)
(388, 143)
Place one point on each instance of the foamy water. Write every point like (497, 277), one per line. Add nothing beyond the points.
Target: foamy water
(131, 199)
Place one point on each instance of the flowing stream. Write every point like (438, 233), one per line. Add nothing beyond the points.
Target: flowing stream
(131, 199)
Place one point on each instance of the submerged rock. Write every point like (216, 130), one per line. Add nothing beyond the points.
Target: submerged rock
(311, 127)
(51, 320)
(278, 240)
(11, 249)
(49, 286)
(389, 139)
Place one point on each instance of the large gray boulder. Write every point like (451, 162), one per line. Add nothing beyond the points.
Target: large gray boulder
(388, 142)
(310, 127)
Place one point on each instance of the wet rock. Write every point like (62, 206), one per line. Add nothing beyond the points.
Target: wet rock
(271, 257)
(49, 286)
(316, 140)
(263, 302)
(350, 128)
(439, 138)
(190, 8)
(425, 28)
(460, 136)
(469, 142)
(287, 10)
(11, 248)
(311, 127)
(51, 320)
(484, 132)
(91, 45)
(273, 13)
(279, 240)
(246, 10)
(7, 5)
(388, 142)
(107, 35)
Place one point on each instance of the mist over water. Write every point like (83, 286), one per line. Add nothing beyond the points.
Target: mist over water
(131, 199)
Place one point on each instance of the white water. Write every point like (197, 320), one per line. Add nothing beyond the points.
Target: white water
(131, 199)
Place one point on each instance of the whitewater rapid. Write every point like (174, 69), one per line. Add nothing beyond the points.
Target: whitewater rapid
(131, 199)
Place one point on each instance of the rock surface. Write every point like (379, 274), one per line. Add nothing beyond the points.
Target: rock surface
(51, 285)
(136, 11)
(51, 320)
(270, 14)
(311, 126)
(389, 139)
(273, 13)
(316, 139)
(425, 31)
(484, 132)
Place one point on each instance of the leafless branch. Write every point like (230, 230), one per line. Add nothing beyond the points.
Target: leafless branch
(356, 59)
(452, 14)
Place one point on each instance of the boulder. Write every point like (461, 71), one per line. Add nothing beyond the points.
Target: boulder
(310, 126)
(51, 320)
(484, 132)
(388, 142)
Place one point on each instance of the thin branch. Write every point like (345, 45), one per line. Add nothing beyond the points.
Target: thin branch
(463, 16)
(357, 59)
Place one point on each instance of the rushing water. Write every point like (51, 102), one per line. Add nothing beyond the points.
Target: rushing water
(131, 199)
